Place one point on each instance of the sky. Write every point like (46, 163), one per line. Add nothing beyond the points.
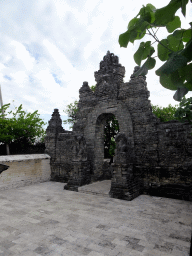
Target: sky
(48, 48)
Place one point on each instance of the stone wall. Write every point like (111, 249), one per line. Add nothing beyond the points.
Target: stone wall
(172, 176)
(22, 170)
(156, 156)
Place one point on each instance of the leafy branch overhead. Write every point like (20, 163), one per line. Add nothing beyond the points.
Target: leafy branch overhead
(175, 50)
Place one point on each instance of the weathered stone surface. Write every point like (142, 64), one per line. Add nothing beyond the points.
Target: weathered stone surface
(23, 170)
(151, 157)
(41, 219)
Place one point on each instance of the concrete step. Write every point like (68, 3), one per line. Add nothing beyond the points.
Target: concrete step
(101, 188)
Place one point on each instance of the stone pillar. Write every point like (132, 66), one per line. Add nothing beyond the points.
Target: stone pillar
(79, 176)
(80, 173)
(123, 184)
(52, 131)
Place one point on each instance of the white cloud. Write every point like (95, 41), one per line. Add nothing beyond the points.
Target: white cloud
(48, 48)
(23, 55)
(20, 78)
(60, 59)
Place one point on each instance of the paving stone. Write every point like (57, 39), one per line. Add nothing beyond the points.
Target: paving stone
(185, 239)
(42, 250)
(167, 247)
(101, 231)
(6, 252)
(7, 244)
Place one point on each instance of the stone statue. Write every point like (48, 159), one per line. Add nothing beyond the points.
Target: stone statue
(80, 149)
(121, 150)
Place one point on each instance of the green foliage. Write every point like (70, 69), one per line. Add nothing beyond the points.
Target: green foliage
(22, 127)
(71, 110)
(145, 50)
(112, 147)
(93, 88)
(184, 111)
(110, 131)
(164, 113)
(175, 50)
(181, 112)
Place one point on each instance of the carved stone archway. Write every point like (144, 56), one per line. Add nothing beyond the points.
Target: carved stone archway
(141, 161)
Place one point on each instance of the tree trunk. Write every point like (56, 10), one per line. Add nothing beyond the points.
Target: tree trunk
(7, 149)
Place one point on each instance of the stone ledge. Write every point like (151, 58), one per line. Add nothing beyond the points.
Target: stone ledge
(15, 158)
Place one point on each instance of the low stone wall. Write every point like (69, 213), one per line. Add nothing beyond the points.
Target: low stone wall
(21, 170)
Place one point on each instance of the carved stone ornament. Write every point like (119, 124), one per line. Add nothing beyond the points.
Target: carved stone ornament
(79, 148)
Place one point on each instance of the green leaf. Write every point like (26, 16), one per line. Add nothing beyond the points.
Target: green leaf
(188, 85)
(152, 17)
(151, 7)
(186, 72)
(167, 46)
(124, 39)
(174, 44)
(183, 6)
(187, 52)
(145, 50)
(148, 13)
(176, 23)
(138, 55)
(145, 14)
(167, 82)
(170, 81)
(132, 23)
(162, 50)
(183, 34)
(166, 14)
(174, 81)
(187, 35)
(149, 64)
(130, 36)
(138, 31)
(175, 62)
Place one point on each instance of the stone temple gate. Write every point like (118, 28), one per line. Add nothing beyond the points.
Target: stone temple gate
(151, 157)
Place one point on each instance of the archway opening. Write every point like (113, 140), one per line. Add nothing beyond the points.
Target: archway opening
(110, 131)
(106, 129)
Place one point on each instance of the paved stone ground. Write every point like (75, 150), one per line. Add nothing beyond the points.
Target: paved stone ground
(97, 188)
(43, 219)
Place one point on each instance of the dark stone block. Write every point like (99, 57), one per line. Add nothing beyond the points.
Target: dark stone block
(177, 191)
(3, 168)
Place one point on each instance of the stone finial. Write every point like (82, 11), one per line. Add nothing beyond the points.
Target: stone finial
(136, 69)
(110, 69)
(55, 123)
(85, 88)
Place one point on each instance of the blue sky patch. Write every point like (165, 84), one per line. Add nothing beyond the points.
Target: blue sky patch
(56, 79)
(8, 77)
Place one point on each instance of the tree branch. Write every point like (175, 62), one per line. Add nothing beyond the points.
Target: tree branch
(158, 40)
